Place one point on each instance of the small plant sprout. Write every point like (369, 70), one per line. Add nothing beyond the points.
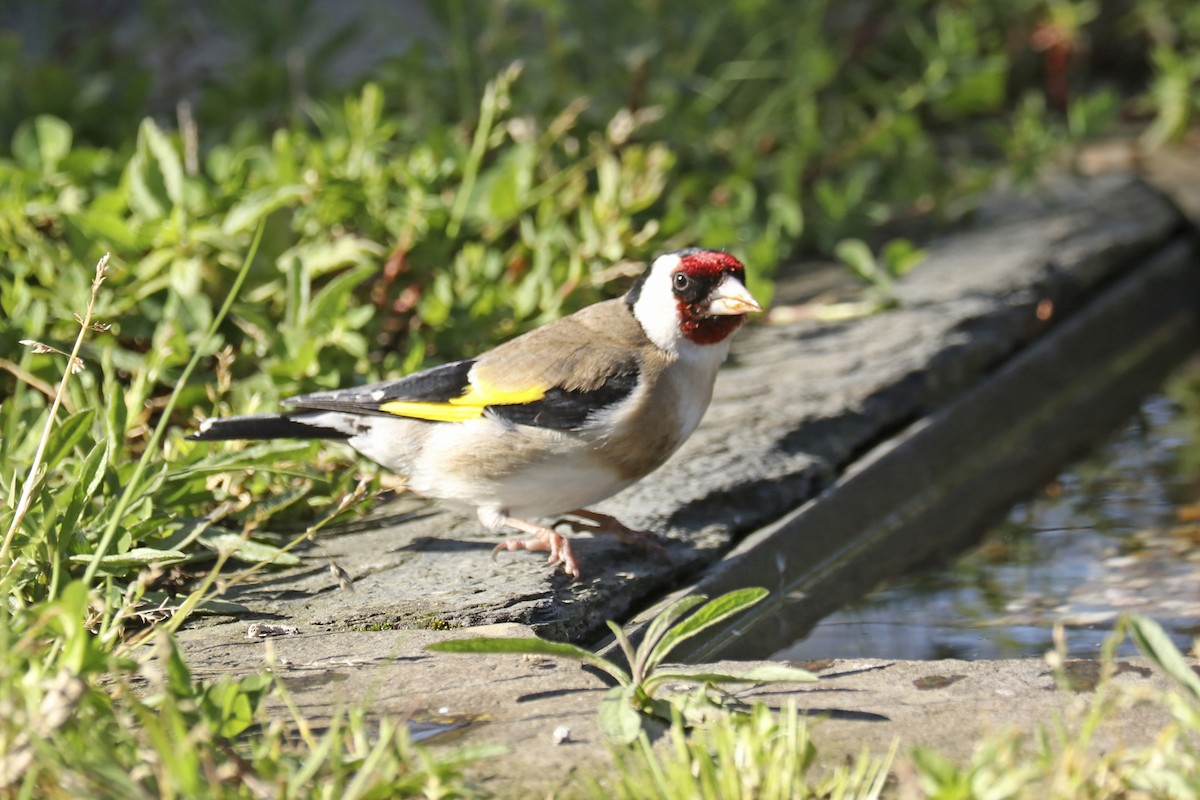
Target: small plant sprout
(635, 699)
(897, 258)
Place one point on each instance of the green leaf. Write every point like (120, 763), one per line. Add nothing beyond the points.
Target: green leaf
(82, 652)
(107, 227)
(87, 481)
(154, 175)
(221, 607)
(333, 299)
(179, 677)
(711, 613)
(232, 705)
(766, 673)
(1154, 643)
(270, 506)
(136, 557)
(42, 143)
(785, 212)
(183, 532)
(258, 456)
(170, 166)
(936, 771)
(900, 256)
(533, 646)
(154, 599)
(248, 550)
(68, 434)
(855, 254)
(660, 624)
(506, 185)
(626, 646)
(258, 203)
(619, 721)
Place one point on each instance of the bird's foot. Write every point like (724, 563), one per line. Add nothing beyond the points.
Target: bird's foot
(543, 540)
(597, 524)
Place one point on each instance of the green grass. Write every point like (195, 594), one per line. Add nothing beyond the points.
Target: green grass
(283, 234)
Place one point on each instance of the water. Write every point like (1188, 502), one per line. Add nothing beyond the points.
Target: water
(1117, 531)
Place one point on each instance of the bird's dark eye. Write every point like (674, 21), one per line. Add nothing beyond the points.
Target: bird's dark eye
(682, 281)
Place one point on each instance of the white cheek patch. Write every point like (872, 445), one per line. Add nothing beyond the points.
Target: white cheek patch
(656, 307)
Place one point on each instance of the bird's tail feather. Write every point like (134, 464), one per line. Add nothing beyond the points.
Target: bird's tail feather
(268, 426)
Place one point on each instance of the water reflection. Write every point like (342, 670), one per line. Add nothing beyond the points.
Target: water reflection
(1118, 531)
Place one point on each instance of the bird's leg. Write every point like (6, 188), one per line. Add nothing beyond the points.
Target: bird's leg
(604, 525)
(544, 539)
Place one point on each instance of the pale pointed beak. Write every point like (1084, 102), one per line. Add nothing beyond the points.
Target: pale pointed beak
(731, 298)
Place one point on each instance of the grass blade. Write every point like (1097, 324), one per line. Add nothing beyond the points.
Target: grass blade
(1154, 643)
(133, 486)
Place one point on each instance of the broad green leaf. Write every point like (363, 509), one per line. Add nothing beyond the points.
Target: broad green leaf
(233, 705)
(247, 550)
(901, 256)
(269, 506)
(82, 653)
(170, 166)
(66, 435)
(331, 301)
(855, 254)
(534, 646)
(936, 771)
(135, 557)
(506, 186)
(661, 623)
(1154, 643)
(619, 721)
(258, 203)
(91, 472)
(42, 143)
(144, 202)
(107, 227)
(87, 481)
(179, 677)
(157, 599)
(256, 456)
(183, 532)
(220, 607)
(766, 673)
(323, 256)
(709, 614)
(786, 213)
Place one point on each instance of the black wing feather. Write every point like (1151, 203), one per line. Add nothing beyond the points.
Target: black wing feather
(568, 410)
(433, 385)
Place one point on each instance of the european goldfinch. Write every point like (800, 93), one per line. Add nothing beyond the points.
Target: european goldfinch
(552, 421)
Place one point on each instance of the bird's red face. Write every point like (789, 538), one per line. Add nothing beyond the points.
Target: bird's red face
(710, 295)
(692, 297)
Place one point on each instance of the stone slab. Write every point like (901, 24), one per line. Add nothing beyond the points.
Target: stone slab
(521, 701)
(932, 488)
(797, 406)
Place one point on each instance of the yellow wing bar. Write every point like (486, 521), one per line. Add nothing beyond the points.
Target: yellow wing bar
(469, 405)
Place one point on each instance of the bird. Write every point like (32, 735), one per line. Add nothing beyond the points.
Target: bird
(551, 421)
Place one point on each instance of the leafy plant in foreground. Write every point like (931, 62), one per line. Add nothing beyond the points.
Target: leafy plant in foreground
(763, 755)
(1069, 757)
(635, 697)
